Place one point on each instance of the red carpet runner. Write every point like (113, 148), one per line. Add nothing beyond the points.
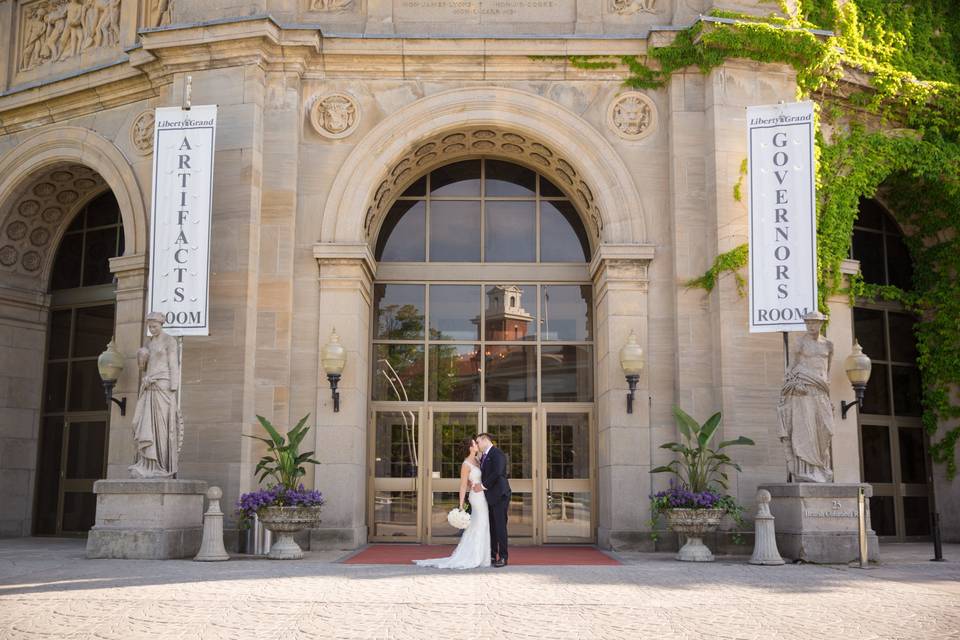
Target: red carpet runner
(519, 556)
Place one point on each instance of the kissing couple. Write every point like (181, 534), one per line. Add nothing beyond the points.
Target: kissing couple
(483, 476)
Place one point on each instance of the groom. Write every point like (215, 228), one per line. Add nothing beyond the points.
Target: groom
(493, 470)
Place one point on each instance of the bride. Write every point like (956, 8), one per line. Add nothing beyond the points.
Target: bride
(474, 548)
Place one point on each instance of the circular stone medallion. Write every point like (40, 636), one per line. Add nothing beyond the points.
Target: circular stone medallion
(8, 256)
(632, 115)
(335, 115)
(17, 230)
(141, 133)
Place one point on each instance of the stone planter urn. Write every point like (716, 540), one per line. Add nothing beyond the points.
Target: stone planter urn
(284, 522)
(693, 523)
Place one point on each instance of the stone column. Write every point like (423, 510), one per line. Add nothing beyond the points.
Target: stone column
(23, 330)
(619, 273)
(131, 274)
(846, 439)
(346, 296)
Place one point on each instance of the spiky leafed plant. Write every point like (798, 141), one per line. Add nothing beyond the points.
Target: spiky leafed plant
(283, 460)
(699, 465)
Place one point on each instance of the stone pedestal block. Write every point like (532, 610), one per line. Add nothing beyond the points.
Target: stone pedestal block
(819, 522)
(147, 519)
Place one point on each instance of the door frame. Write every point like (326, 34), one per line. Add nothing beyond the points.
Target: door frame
(424, 484)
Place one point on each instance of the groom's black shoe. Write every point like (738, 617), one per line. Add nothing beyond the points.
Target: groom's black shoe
(502, 562)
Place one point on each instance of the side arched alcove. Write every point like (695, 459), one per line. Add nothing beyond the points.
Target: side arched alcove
(521, 128)
(48, 182)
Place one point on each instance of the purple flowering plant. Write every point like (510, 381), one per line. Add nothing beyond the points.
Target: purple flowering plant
(276, 496)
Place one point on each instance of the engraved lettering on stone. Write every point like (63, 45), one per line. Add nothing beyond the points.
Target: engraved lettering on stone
(330, 5)
(141, 132)
(632, 115)
(335, 115)
(631, 7)
(56, 30)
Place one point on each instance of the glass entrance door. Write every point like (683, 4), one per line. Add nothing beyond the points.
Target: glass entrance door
(568, 505)
(513, 433)
(397, 446)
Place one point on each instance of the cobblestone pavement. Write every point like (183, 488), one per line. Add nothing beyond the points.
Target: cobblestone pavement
(49, 590)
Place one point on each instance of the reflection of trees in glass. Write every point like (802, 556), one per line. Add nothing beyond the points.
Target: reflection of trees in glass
(400, 322)
(454, 373)
(399, 372)
(450, 432)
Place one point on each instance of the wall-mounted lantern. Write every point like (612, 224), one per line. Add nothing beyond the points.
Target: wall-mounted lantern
(334, 358)
(858, 369)
(110, 366)
(632, 362)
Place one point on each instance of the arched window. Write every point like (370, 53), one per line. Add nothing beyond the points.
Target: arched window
(483, 211)
(73, 428)
(482, 321)
(893, 449)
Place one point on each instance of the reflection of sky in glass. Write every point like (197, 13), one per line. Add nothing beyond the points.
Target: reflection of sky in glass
(455, 231)
(565, 312)
(562, 236)
(403, 232)
(457, 179)
(511, 231)
(508, 179)
(454, 312)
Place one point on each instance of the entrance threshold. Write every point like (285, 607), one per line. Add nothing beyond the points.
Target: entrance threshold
(552, 555)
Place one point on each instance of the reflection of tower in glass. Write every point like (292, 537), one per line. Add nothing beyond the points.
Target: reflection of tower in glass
(506, 318)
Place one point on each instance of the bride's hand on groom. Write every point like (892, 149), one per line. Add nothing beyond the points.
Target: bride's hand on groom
(477, 487)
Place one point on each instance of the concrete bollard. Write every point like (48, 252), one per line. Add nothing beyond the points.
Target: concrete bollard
(212, 549)
(765, 543)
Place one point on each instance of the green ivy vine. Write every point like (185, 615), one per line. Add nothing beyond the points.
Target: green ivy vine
(897, 138)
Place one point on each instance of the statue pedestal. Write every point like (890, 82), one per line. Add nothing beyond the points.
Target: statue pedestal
(147, 519)
(819, 521)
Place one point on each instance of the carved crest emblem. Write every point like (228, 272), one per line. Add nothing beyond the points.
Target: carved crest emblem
(632, 115)
(335, 115)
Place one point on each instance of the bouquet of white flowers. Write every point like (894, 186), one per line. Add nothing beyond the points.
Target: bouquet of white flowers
(458, 518)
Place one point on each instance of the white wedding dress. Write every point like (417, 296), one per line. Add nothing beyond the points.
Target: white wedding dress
(474, 548)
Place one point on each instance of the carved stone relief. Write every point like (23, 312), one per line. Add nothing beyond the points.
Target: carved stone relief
(57, 30)
(632, 115)
(159, 13)
(631, 7)
(31, 221)
(330, 5)
(444, 148)
(141, 132)
(335, 115)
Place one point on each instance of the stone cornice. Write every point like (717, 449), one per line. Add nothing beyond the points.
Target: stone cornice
(640, 254)
(142, 71)
(345, 253)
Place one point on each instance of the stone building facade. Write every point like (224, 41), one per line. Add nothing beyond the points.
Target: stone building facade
(329, 111)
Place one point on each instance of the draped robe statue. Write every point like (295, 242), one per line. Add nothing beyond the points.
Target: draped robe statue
(805, 410)
(157, 423)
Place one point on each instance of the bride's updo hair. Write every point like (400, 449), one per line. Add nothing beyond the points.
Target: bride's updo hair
(465, 445)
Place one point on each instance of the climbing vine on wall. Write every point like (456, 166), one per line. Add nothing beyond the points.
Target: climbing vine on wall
(898, 138)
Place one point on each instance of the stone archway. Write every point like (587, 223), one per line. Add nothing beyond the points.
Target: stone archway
(490, 122)
(44, 181)
(493, 122)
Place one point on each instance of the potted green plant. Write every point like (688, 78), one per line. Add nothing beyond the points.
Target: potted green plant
(697, 500)
(284, 507)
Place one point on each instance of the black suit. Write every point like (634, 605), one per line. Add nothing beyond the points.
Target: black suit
(493, 471)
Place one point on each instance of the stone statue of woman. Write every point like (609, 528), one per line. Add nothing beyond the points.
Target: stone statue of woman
(805, 410)
(157, 423)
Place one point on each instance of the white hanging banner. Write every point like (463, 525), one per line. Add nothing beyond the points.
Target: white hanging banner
(183, 144)
(783, 219)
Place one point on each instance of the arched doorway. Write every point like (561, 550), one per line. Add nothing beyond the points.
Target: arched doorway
(893, 445)
(482, 322)
(74, 423)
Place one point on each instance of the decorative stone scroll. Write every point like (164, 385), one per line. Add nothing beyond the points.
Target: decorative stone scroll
(632, 115)
(32, 220)
(57, 30)
(631, 7)
(335, 115)
(447, 147)
(141, 132)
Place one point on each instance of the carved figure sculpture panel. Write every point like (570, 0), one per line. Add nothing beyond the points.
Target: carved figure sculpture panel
(57, 30)
(631, 7)
(805, 411)
(157, 423)
(160, 13)
(330, 5)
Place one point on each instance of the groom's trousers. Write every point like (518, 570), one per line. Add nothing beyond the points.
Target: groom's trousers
(498, 529)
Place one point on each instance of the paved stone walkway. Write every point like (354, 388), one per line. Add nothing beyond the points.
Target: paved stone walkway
(49, 590)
